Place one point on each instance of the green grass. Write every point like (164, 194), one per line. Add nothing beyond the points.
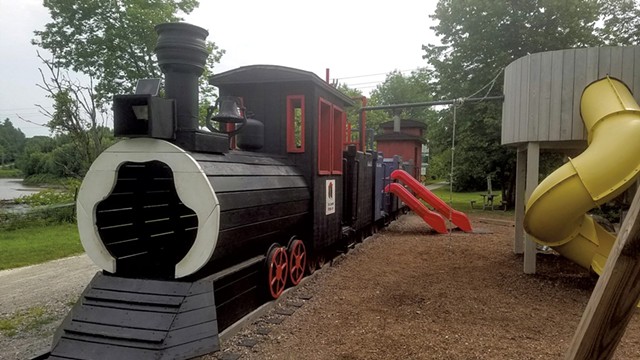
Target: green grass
(10, 173)
(31, 319)
(36, 245)
(462, 202)
(46, 180)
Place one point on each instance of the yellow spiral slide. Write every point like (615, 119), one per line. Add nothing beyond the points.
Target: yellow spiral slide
(556, 212)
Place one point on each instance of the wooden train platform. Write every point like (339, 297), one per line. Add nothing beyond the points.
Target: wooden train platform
(406, 293)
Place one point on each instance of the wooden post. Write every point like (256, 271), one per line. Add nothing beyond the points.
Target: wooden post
(533, 161)
(615, 296)
(521, 175)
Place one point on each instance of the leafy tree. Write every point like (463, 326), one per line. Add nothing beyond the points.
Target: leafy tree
(34, 158)
(477, 40)
(11, 142)
(353, 113)
(400, 89)
(396, 89)
(110, 43)
(620, 22)
(75, 113)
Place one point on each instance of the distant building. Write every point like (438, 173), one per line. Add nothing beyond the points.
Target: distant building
(406, 139)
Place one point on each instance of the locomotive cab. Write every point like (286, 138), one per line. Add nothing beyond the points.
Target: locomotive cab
(304, 120)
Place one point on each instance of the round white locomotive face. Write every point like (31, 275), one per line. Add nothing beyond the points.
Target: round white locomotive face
(191, 186)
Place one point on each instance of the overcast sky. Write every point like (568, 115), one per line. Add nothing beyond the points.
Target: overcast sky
(352, 38)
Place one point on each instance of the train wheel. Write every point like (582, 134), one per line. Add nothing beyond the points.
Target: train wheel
(297, 260)
(277, 270)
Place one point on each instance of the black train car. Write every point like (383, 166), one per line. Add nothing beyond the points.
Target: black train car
(174, 214)
(358, 204)
(304, 119)
(378, 215)
(391, 204)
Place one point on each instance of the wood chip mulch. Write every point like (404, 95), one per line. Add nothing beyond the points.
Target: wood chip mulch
(406, 293)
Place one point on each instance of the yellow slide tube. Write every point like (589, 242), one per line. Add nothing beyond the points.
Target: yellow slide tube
(556, 212)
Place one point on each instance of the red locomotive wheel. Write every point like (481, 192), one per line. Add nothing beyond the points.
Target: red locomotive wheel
(297, 261)
(277, 267)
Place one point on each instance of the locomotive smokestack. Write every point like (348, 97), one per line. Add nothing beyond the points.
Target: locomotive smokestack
(182, 54)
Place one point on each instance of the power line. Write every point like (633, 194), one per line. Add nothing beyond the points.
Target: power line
(378, 74)
(365, 83)
(490, 83)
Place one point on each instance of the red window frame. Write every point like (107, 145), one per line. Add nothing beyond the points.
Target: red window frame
(292, 101)
(339, 122)
(325, 122)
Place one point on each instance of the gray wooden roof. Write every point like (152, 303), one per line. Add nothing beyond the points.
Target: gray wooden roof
(542, 91)
(255, 74)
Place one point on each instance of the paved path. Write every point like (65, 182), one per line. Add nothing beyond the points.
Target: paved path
(54, 281)
(437, 185)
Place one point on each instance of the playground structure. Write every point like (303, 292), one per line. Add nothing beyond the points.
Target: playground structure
(543, 93)
(612, 118)
(542, 112)
(436, 219)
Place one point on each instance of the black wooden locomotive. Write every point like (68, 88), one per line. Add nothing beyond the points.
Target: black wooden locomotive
(177, 217)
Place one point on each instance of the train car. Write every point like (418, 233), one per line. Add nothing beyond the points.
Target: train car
(390, 203)
(304, 120)
(358, 204)
(193, 229)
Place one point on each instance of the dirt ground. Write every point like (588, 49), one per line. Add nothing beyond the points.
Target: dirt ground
(405, 293)
(408, 294)
(35, 299)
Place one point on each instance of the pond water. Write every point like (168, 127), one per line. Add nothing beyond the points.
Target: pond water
(13, 188)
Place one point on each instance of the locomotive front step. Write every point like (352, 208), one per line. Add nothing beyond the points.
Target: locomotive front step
(126, 318)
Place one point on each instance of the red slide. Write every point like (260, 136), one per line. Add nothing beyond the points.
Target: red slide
(458, 218)
(433, 219)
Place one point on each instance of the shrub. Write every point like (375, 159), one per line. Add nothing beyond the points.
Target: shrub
(47, 207)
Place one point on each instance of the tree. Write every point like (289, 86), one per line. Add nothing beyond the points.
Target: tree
(75, 113)
(11, 142)
(396, 89)
(33, 159)
(478, 39)
(111, 42)
(111, 45)
(620, 22)
(402, 89)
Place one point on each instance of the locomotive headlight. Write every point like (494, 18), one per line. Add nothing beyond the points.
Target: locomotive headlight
(146, 207)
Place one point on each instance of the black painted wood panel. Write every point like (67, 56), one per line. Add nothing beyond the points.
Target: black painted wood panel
(248, 183)
(245, 199)
(234, 218)
(116, 332)
(135, 297)
(105, 325)
(235, 169)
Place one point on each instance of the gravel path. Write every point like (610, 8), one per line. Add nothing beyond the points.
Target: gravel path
(34, 299)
